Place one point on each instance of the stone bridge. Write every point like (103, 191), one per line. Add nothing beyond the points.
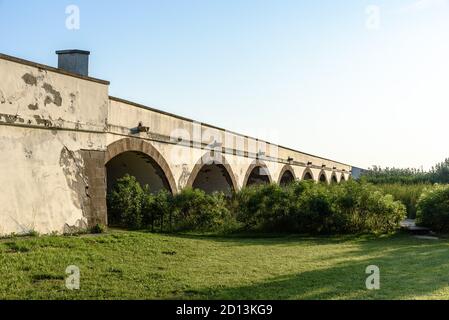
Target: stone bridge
(64, 141)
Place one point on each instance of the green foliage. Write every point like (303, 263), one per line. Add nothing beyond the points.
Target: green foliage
(98, 229)
(125, 203)
(134, 207)
(306, 207)
(438, 174)
(198, 211)
(408, 194)
(409, 176)
(433, 208)
(301, 207)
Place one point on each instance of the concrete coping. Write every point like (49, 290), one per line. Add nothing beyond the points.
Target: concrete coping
(52, 69)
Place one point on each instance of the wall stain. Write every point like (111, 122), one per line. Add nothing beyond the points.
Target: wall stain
(41, 121)
(55, 95)
(10, 119)
(28, 153)
(73, 168)
(2, 97)
(29, 79)
(33, 107)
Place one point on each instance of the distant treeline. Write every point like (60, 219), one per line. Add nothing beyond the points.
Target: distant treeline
(438, 174)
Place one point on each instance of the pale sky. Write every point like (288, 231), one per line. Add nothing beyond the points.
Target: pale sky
(361, 82)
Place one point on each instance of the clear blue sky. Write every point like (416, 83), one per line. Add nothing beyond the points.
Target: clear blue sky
(314, 75)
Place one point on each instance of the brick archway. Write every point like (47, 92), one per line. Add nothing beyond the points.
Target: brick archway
(205, 160)
(138, 145)
(285, 169)
(307, 172)
(255, 164)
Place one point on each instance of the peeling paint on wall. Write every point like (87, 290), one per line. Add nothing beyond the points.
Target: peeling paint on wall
(29, 79)
(55, 95)
(72, 165)
(77, 227)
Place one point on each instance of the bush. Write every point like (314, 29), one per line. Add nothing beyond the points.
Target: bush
(301, 207)
(98, 229)
(197, 211)
(362, 208)
(407, 194)
(306, 207)
(433, 208)
(264, 208)
(157, 211)
(125, 203)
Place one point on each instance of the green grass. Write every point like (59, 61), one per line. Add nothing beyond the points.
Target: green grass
(136, 265)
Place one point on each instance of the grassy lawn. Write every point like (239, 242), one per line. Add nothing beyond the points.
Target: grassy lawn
(135, 265)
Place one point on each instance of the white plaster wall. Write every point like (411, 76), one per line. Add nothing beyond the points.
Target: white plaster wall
(43, 115)
(35, 189)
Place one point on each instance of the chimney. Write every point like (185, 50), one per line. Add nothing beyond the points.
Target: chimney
(74, 61)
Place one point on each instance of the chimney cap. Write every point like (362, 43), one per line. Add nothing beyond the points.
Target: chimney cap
(73, 51)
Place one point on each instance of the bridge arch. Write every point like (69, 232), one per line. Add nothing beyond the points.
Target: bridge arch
(257, 173)
(307, 175)
(137, 152)
(212, 173)
(287, 175)
(322, 177)
(334, 179)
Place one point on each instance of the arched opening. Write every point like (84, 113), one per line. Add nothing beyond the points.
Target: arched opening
(342, 179)
(213, 178)
(307, 175)
(141, 166)
(323, 178)
(334, 179)
(287, 176)
(257, 174)
(213, 175)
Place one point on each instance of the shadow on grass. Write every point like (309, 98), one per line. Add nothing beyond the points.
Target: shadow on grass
(245, 239)
(409, 268)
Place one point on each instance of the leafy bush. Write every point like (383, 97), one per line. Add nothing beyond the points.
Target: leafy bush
(305, 207)
(197, 211)
(125, 203)
(433, 208)
(98, 229)
(408, 194)
(301, 207)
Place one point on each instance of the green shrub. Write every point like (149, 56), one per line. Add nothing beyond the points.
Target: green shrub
(158, 210)
(98, 229)
(301, 207)
(125, 203)
(363, 208)
(264, 207)
(306, 207)
(197, 211)
(408, 194)
(433, 208)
